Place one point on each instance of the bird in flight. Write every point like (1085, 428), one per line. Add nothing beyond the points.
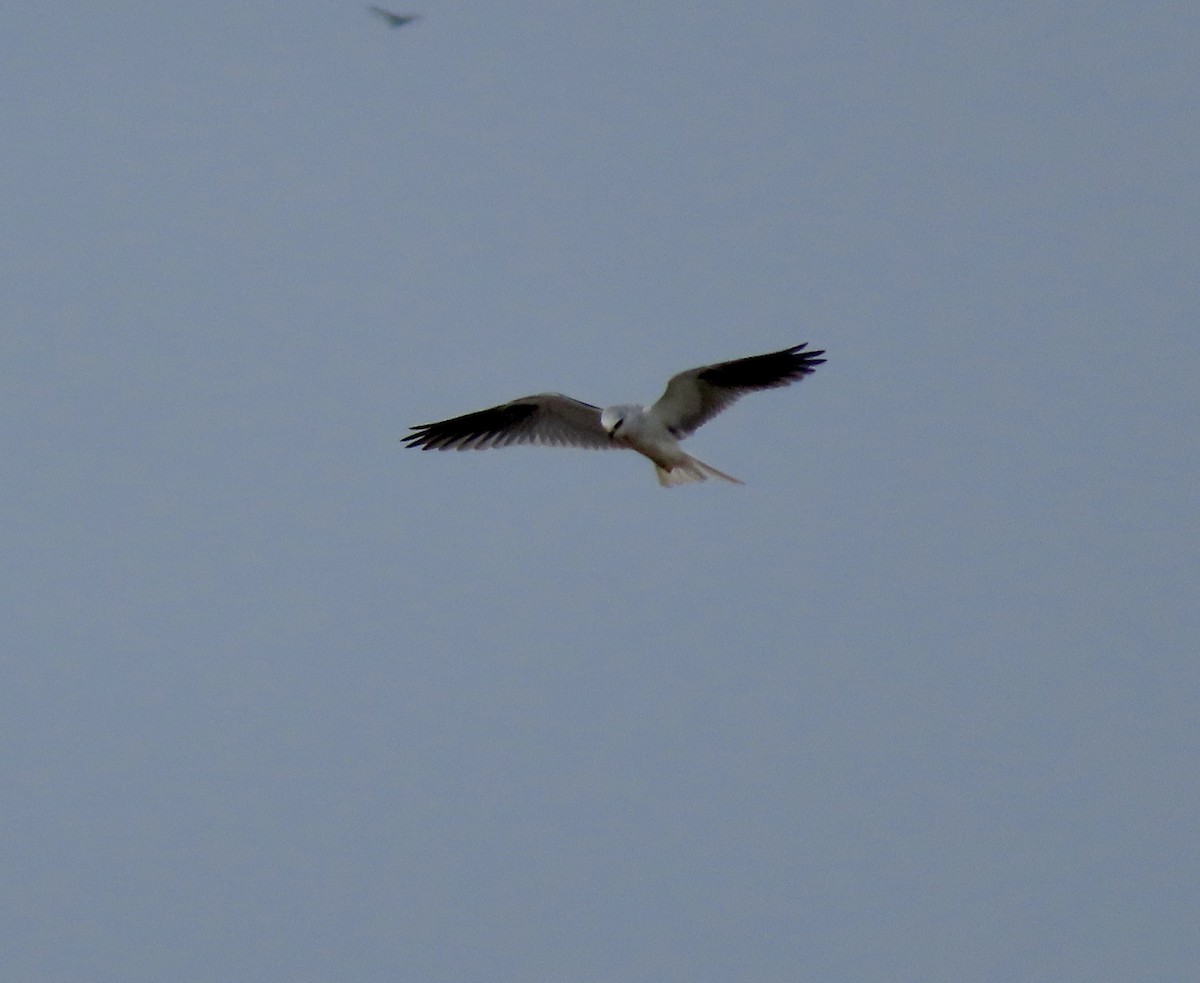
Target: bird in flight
(394, 20)
(692, 398)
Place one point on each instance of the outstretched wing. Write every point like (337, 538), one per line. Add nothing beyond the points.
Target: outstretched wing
(694, 397)
(548, 418)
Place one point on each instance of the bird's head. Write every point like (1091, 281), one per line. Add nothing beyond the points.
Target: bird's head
(613, 419)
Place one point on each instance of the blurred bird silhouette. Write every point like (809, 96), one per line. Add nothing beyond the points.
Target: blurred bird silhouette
(394, 20)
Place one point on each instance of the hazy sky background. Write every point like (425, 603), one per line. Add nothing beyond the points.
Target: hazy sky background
(282, 700)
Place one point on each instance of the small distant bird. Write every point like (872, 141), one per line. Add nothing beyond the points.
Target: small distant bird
(395, 20)
(692, 398)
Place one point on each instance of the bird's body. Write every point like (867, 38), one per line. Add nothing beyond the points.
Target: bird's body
(643, 431)
(691, 399)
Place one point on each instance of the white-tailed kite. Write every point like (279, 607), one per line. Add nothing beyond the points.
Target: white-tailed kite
(692, 398)
(394, 20)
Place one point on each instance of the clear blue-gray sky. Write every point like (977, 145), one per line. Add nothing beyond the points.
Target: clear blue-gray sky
(283, 700)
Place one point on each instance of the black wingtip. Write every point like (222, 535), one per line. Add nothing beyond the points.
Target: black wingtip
(766, 371)
(808, 358)
(416, 439)
(474, 431)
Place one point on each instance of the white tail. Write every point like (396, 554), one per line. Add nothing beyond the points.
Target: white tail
(689, 471)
